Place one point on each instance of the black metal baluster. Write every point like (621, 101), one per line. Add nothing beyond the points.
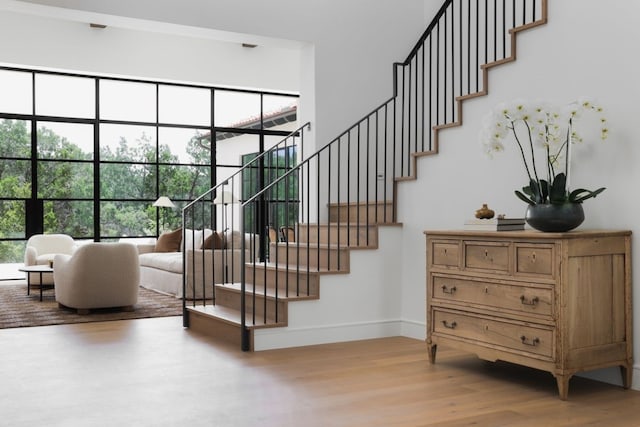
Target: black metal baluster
(477, 50)
(348, 186)
(460, 50)
(504, 29)
(358, 187)
(386, 124)
(367, 179)
(444, 73)
(422, 112)
(437, 100)
(377, 168)
(453, 65)
(430, 129)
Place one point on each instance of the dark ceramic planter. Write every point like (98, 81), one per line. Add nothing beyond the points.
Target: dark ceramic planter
(555, 218)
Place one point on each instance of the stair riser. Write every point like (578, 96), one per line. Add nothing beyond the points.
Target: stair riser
(231, 298)
(217, 329)
(297, 282)
(351, 236)
(331, 259)
(372, 214)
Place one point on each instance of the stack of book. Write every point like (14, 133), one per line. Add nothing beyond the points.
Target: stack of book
(495, 224)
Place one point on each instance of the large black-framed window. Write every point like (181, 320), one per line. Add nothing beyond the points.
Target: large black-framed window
(88, 155)
(282, 201)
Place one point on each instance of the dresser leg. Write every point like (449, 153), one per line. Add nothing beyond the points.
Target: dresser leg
(563, 386)
(431, 348)
(626, 373)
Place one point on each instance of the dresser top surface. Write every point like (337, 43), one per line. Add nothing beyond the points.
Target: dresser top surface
(528, 234)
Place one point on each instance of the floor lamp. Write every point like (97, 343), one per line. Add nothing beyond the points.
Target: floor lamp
(224, 198)
(163, 202)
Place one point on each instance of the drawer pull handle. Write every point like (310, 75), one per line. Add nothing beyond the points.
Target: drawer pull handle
(448, 291)
(533, 343)
(533, 301)
(449, 326)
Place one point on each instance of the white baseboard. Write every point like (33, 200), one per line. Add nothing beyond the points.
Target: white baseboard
(269, 339)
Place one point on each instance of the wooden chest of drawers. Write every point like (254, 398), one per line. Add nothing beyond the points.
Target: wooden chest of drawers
(559, 302)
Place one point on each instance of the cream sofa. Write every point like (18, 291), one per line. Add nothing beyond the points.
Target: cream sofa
(162, 271)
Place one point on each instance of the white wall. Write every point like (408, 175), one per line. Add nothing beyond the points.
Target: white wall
(587, 48)
(66, 44)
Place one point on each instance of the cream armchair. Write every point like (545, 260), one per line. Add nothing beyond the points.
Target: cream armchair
(42, 248)
(98, 275)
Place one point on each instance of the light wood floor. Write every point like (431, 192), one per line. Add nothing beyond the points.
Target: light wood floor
(151, 372)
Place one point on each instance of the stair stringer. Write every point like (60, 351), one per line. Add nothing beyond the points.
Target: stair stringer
(364, 303)
(513, 33)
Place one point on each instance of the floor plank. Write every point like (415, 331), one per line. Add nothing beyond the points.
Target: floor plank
(152, 372)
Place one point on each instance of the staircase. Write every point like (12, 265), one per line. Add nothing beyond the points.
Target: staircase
(337, 199)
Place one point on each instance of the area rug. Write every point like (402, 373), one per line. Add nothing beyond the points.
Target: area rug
(19, 310)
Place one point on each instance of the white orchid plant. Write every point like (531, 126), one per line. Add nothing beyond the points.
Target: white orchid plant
(544, 136)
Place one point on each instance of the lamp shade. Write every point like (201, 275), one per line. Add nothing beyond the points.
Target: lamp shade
(224, 198)
(163, 202)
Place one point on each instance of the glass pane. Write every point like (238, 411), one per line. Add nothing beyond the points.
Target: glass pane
(68, 141)
(171, 218)
(185, 105)
(65, 96)
(12, 252)
(184, 182)
(185, 146)
(65, 180)
(15, 138)
(123, 219)
(13, 222)
(127, 101)
(127, 181)
(283, 203)
(236, 109)
(74, 218)
(15, 178)
(128, 143)
(16, 90)
(280, 112)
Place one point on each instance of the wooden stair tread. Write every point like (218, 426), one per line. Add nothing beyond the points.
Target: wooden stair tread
(295, 268)
(314, 245)
(260, 291)
(232, 317)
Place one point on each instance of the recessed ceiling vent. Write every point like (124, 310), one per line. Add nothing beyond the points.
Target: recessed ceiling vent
(99, 26)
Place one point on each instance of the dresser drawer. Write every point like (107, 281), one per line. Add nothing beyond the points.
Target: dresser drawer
(481, 330)
(534, 259)
(489, 256)
(445, 253)
(493, 295)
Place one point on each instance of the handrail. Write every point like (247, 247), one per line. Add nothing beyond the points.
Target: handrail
(336, 197)
(251, 163)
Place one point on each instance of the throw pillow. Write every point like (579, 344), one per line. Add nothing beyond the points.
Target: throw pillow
(214, 241)
(169, 241)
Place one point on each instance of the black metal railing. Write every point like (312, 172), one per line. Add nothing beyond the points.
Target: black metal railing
(209, 259)
(337, 196)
